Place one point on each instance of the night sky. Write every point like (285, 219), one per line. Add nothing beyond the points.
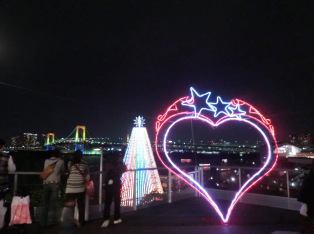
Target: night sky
(102, 63)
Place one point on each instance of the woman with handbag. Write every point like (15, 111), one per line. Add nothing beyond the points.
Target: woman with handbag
(75, 187)
(51, 186)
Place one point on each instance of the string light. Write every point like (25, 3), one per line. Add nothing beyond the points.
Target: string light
(139, 155)
(199, 107)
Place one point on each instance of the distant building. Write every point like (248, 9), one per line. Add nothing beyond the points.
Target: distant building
(30, 140)
(304, 140)
(288, 150)
(15, 141)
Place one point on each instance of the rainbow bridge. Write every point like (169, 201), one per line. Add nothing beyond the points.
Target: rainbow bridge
(81, 139)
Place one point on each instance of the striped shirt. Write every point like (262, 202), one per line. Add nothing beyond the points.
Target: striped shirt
(76, 182)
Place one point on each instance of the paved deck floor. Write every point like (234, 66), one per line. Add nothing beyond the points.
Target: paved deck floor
(192, 215)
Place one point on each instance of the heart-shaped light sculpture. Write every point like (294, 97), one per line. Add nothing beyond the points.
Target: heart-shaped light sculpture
(214, 112)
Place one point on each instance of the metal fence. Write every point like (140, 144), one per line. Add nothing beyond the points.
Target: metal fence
(221, 182)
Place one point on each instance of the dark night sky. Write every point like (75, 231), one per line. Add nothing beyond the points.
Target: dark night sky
(102, 63)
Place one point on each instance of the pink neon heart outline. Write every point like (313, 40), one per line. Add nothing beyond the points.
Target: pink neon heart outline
(248, 114)
(198, 187)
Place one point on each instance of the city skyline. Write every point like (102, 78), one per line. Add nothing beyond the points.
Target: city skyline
(34, 139)
(100, 65)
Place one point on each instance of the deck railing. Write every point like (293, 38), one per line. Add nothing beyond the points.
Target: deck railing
(279, 188)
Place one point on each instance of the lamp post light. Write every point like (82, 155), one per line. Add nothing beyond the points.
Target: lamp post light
(100, 174)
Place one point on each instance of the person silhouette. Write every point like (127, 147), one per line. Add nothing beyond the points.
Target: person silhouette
(6, 165)
(75, 188)
(51, 188)
(112, 186)
(306, 197)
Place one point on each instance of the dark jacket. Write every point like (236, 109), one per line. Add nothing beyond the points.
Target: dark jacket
(306, 194)
(114, 173)
(4, 159)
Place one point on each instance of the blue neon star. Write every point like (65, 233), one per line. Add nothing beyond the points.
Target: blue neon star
(198, 102)
(220, 107)
(236, 111)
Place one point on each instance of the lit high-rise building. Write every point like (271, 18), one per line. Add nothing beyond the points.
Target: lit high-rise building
(29, 139)
(15, 141)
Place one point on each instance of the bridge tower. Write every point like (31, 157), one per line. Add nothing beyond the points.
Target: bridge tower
(77, 131)
(49, 141)
(80, 139)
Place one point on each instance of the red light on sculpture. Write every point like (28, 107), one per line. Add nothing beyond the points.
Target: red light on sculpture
(215, 113)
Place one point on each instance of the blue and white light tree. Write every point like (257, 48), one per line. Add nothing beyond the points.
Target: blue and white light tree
(139, 155)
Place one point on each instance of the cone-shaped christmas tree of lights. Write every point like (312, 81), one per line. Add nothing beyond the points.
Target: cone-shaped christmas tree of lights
(139, 155)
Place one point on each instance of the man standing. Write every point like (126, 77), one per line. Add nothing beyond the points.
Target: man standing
(112, 185)
(306, 197)
(51, 188)
(6, 165)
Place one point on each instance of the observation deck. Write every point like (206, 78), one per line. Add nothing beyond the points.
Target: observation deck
(192, 215)
(185, 211)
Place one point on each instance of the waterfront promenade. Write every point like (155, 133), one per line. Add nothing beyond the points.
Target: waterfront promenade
(192, 215)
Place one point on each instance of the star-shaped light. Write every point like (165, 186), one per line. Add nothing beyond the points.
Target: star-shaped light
(236, 111)
(139, 121)
(220, 107)
(198, 102)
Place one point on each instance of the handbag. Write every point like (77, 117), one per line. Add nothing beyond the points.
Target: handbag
(20, 211)
(89, 187)
(89, 184)
(303, 209)
(48, 170)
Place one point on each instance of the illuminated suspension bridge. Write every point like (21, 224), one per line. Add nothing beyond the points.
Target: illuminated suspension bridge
(81, 139)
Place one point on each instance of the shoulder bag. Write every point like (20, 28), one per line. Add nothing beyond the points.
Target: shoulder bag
(89, 185)
(48, 170)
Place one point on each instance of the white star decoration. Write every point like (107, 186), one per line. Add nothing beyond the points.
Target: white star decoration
(139, 121)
